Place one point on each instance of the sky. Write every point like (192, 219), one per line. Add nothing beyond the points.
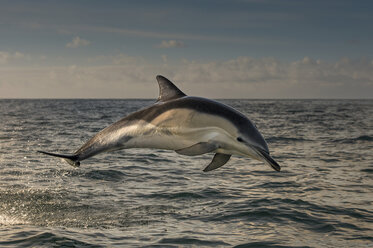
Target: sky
(218, 49)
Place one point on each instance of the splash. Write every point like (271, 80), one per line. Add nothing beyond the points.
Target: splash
(6, 220)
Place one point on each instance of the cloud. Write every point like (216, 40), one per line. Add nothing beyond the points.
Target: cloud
(6, 57)
(124, 76)
(171, 44)
(78, 42)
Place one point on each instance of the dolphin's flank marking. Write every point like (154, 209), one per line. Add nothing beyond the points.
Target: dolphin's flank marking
(188, 125)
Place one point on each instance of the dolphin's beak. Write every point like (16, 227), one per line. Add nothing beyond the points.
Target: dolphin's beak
(267, 158)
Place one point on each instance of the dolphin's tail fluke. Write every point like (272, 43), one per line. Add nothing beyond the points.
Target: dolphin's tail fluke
(71, 159)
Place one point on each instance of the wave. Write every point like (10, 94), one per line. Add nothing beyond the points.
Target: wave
(191, 241)
(266, 244)
(107, 175)
(44, 239)
(282, 138)
(365, 138)
(367, 170)
(361, 138)
(177, 195)
(311, 216)
(204, 194)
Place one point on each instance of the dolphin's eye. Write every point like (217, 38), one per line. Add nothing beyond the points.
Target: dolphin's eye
(239, 139)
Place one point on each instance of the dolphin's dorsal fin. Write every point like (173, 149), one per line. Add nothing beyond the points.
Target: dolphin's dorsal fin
(167, 90)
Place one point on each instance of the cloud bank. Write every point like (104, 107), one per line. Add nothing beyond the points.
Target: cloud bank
(242, 77)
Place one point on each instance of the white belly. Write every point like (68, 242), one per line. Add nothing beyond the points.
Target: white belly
(149, 136)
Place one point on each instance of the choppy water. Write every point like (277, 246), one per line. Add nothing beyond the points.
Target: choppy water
(323, 197)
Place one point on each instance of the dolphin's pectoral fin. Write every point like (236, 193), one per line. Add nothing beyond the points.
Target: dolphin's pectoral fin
(198, 149)
(219, 160)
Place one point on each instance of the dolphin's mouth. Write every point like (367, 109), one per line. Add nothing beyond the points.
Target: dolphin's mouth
(265, 155)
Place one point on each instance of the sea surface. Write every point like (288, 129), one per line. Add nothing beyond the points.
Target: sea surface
(323, 196)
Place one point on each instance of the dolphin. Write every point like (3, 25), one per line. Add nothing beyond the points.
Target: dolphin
(185, 124)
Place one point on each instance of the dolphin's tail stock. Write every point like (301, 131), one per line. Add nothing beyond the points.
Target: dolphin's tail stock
(71, 159)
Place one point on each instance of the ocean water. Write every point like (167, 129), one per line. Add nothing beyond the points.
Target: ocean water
(323, 197)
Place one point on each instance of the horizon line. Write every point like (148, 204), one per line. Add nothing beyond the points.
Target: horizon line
(115, 98)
